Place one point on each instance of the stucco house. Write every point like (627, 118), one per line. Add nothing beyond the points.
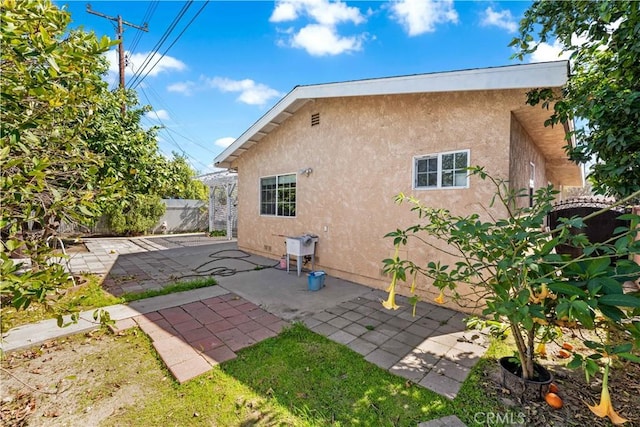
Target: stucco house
(328, 159)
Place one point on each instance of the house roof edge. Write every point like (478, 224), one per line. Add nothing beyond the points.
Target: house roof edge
(518, 76)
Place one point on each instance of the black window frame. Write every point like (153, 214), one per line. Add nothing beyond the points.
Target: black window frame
(278, 195)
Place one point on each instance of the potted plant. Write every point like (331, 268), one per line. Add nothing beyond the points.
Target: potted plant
(511, 266)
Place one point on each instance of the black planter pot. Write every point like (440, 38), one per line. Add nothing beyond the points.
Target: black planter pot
(511, 377)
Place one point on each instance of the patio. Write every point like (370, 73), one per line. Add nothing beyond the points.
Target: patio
(195, 330)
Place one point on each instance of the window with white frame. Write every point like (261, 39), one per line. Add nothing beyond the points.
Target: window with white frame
(442, 170)
(278, 195)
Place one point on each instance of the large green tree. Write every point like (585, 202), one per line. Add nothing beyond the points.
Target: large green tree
(130, 156)
(180, 181)
(51, 86)
(68, 153)
(603, 90)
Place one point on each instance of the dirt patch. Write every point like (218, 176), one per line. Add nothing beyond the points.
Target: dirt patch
(81, 380)
(575, 392)
(75, 247)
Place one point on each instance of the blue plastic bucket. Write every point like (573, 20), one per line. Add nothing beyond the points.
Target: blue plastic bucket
(316, 280)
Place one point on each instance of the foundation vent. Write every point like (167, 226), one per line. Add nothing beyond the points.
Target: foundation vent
(315, 119)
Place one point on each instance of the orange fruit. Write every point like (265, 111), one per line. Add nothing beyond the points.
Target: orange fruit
(563, 354)
(567, 346)
(553, 400)
(553, 388)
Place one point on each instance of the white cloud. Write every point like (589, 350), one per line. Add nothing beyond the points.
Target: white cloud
(224, 142)
(321, 36)
(137, 60)
(422, 16)
(166, 63)
(185, 88)
(284, 11)
(502, 19)
(554, 52)
(549, 52)
(251, 93)
(320, 11)
(157, 115)
(319, 40)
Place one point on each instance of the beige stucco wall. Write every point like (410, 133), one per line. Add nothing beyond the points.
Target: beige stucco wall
(362, 157)
(523, 152)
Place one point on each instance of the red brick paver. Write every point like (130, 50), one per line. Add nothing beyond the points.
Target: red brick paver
(193, 337)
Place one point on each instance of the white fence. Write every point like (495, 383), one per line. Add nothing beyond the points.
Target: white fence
(181, 215)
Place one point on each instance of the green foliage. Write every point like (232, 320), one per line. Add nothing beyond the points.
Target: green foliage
(51, 87)
(68, 153)
(130, 152)
(136, 215)
(49, 90)
(512, 264)
(179, 181)
(603, 89)
(170, 289)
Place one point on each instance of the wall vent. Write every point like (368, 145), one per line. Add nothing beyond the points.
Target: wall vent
(315, 119)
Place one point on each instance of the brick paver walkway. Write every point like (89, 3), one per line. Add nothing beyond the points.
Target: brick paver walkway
(193, 337)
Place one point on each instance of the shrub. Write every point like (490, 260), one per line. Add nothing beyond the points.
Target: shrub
(136, 216)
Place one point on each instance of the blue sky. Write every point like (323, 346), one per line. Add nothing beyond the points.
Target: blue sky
(226, 63)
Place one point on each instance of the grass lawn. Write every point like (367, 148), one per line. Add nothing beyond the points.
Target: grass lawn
(298, 378)
(87, 296)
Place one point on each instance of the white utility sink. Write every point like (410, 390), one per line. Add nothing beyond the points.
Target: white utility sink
(299, 247)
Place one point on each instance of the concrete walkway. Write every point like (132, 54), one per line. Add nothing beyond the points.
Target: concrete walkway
(197, 329)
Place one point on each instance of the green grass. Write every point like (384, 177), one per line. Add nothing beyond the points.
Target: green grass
(86, 297)
(300, 378)
(170, 289)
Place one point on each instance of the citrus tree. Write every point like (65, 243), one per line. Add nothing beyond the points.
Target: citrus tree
(180, 181)
(51, 84)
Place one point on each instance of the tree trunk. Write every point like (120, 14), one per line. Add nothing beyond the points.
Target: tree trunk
(526, 359)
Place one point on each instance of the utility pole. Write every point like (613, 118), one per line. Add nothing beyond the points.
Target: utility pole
(119, 31)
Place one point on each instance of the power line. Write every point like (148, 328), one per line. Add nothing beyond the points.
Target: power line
(171, 138)
(157, 46)
(164, 106)
(191, 140)
(136, 84)
(151, 9)
(119, 32)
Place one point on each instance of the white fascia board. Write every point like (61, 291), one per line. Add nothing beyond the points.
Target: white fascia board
(522, 76)
(547, 74)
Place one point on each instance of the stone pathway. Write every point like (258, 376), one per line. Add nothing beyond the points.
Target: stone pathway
(432, 349)
(137, 264)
